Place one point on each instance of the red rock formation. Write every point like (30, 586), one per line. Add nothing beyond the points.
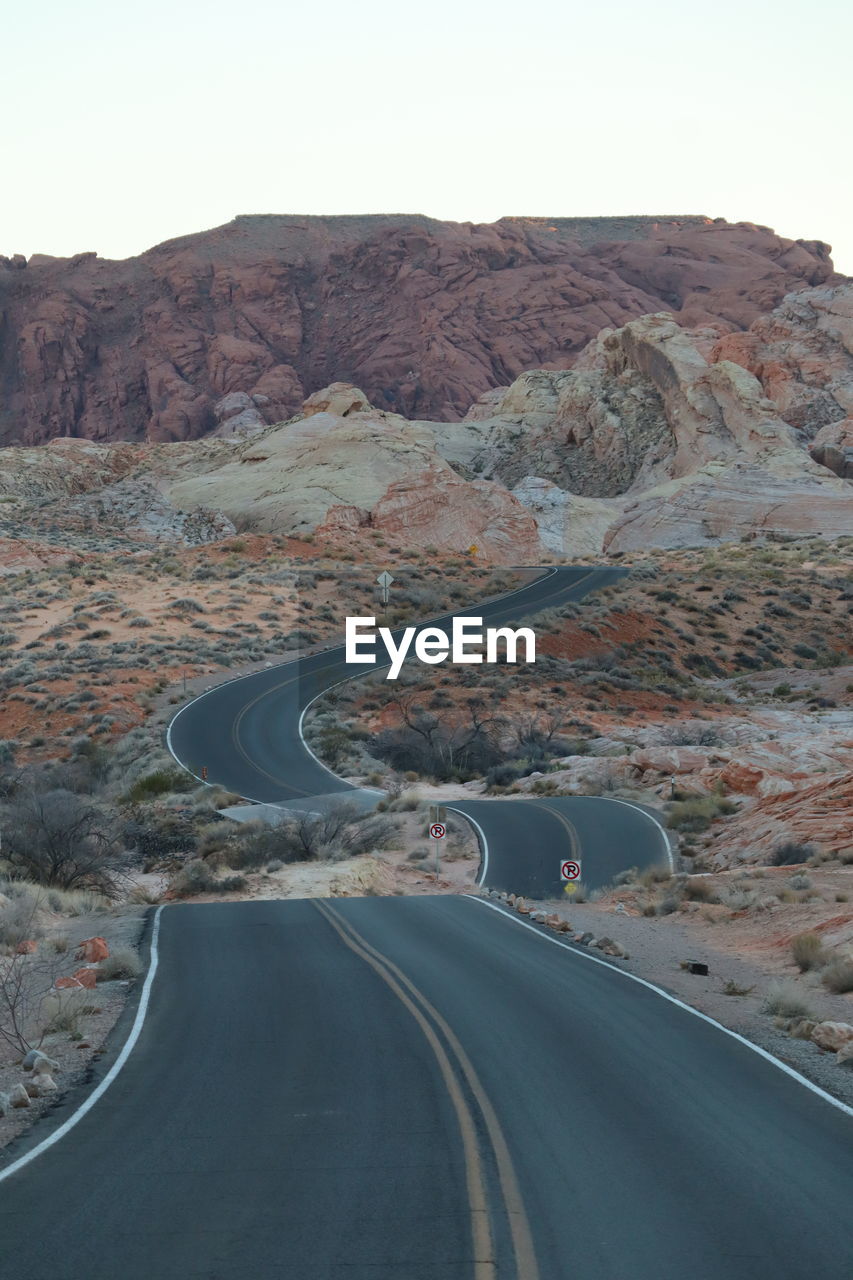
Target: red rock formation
(424, 315)
(818, 812)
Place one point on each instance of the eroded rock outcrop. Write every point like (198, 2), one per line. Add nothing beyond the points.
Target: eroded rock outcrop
(657, 437)
(347, 467)
(832, 447)
(683, 448)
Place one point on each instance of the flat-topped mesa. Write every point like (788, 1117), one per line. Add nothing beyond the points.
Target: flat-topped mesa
(425, 316)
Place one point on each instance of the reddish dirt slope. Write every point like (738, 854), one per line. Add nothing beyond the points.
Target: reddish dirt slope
(423, 315)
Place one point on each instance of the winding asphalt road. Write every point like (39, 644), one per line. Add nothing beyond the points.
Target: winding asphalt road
(247, 734)
(419, 1088)
(426, 1089)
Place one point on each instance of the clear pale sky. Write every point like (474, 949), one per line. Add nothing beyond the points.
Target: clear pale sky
(125, 127)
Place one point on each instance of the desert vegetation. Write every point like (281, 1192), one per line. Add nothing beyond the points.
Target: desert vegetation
(88, 646)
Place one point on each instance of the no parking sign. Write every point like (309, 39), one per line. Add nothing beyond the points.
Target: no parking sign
(570, 871)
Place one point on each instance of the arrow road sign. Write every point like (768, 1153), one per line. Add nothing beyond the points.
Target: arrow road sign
(438, 831)
(570, 871)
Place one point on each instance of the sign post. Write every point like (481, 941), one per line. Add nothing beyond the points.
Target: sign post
(385, 579)
(437, 829)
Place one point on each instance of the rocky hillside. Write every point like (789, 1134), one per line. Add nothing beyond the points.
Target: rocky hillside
(425, 316)
(660, 436)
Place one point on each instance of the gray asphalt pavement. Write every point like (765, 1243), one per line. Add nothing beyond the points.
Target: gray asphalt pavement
(439, 1094)
(527, 840)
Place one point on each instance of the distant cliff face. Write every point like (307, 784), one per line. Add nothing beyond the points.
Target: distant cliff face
(424, 316)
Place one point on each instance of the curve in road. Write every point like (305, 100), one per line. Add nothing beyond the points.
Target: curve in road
(248, 736)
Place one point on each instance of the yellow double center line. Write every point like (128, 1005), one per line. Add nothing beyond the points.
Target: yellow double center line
(448, 1051)
(568, 827)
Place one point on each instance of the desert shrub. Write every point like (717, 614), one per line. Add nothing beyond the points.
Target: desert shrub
(155, 834)
(340, 832)
(701, 889)
(786, 1000)
(186, 605)
(123, 963)
(159, 783)
(197, 877)
(692, 736)
(800, 882)
(838, 975)
(807, 951)
(505, 774)
(142, 895)
(659, 873)
(789, 853)
(737, 899)
(61, 839)
(445, 750)
(77, 902)
(697, 813)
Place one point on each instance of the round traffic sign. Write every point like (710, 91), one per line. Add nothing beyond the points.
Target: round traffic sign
(570, 871)
(438, 831)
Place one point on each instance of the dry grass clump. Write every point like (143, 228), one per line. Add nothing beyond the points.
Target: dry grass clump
(838, 975)
(739, 898)
(786, 1000)
(77, 902)
(142, 895)
(732, 988)
(123, 963)
(64, 1011)
(697, 813)
(807, 951)
(700, 889)
(660, 873)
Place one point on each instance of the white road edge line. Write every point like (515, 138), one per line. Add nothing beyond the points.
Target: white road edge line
(633, 977)
(484, 844)
(127, 1049)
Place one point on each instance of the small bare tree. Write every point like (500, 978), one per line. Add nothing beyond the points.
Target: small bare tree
(62, 839)
(27, 980)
